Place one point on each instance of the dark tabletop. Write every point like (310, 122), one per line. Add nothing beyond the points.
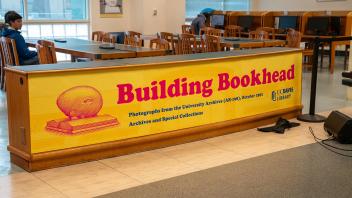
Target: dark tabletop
(149, 60)
(236, 42)
(92, 47)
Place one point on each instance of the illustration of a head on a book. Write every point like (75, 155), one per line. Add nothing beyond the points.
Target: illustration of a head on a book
(80, 105)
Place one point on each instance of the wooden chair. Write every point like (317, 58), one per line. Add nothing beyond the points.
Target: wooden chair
(171, 38)
(97, 36)
(270, 30)
(233, 31)
(8, 56)
(159, 44)
(108, 38)
(206, 30)
(293, 39)
(2, 69)
(187, 44)
(133, 38)
(134, 34)
(211, 43)
(187, 29)
(177, 44)
(46, 52)
(10, 51)
(258, 35)
(133, 41)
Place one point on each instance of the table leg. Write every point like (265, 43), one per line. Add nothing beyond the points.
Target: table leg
(332, 57)
(346, 55)
(73, 58)
(322, 55)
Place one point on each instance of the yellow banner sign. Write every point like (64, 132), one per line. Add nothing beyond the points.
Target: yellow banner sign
(82, 108)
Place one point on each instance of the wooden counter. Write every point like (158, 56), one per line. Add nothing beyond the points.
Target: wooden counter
(64, 114)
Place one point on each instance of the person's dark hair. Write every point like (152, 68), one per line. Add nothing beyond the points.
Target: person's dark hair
(11, 16)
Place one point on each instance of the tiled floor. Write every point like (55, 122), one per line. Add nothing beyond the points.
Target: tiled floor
(109, 175)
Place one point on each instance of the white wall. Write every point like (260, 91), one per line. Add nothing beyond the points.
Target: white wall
(300, 5)
(138, 16)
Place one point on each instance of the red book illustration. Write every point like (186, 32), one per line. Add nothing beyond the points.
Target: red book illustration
(81, 105)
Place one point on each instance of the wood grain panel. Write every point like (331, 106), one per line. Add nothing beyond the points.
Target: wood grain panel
(64, 157)
(18, 111)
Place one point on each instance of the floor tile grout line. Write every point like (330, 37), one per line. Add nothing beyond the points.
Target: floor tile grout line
(62, 193)
(140, 182)
(196, 169)
(185, 163)
(289, 147)
(199, 168)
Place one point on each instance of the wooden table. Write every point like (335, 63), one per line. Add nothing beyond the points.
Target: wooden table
(139, 104)
(250, 43)
(239, 42)
(90, 49)
(310, 38)
(141, 51)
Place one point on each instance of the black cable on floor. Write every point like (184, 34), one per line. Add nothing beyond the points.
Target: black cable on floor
(342, 149)
(328, 139)
(326, 147)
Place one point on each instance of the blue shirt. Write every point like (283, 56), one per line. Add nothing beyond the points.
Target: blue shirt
(198, 23)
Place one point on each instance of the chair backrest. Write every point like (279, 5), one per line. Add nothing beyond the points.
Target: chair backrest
(2, 57)
(133, 41)
(97, 36)
(159, 44)
(215, 32)
(187, 29)
(259, 34)
(108, 38)
(46, 52)
(233, 31)
(187, 44)
(167, 36)
(2, 70)
(269, 30)
(133, 38)
(210, 43)
(205, 30)
(171, 38)
(293, 39)
(10, 51)
(177, 44)
(134, 34)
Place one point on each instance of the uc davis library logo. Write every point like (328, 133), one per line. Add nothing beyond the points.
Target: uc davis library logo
(81, 105)
(282, 94)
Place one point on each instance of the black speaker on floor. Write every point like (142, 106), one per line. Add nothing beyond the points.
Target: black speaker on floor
(340, 126)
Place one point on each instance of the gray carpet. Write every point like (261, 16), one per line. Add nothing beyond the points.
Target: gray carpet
(306, 171)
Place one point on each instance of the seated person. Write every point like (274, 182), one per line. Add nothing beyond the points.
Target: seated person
(14, 22)
(198, 23)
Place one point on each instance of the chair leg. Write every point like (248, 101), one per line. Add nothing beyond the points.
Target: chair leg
(2, 80)
(346, 55)
(322, 56)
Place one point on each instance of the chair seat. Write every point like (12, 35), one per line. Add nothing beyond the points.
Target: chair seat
(347, 82)
(347, 74)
